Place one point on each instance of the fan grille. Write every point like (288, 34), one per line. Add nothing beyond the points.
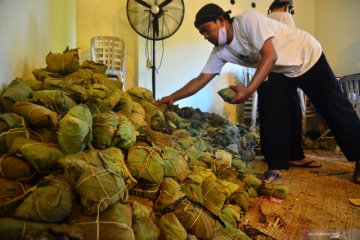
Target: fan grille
(167, 21)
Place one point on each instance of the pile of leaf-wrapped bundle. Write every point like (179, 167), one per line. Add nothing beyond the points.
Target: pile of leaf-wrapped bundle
(83, 159)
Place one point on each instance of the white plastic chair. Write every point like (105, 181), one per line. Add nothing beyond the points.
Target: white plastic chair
(110, 51)
(350, 87)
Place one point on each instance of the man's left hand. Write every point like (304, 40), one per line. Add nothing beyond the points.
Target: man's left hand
(242, 94)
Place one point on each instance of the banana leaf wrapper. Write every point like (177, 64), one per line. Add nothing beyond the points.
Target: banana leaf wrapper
(36, 115)
(230, 233)
(124, 106)
(272, 190)
(145, 163)
(170, 193)
(16, 91)
(10, 120)
(43, 157)
(62, 63)
(227, 94)
(51, 200)
(94, 66)
(99, 176)
(139, 93)
(10, 196)
(126, 133)
(14, 229)
(14, 168)
(76, 88)
(114, 223)
(56, 100)
(174, 164)
(195, 220)
(75, 130)
(192, 191)
(7, 137)
(104, 129)
(145, 229)
(171, 228)
(41, 74)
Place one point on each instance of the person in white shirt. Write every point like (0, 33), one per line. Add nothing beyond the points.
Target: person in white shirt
(290, 58)
(280, 11)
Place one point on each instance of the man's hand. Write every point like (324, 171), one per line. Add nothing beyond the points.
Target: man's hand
(168, 100)
(242, 94)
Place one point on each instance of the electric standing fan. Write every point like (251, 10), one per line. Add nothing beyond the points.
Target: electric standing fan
(155, 20)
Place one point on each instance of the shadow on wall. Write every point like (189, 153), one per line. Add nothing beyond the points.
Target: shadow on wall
(352, 51)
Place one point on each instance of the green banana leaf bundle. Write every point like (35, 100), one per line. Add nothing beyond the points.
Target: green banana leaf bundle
(34, 84)
(98, 91)
(170, 193)
(44, 135)
(171, 228)
(227, 94)
(231, 215)
(213, 197)
(16, 91)
(41, 74)
(273, 190)
(111, 101)
(104, 129)
(14, 229)
(76, 88)
(56, 100)
(43, 157)
(139, 93)
(138, 116)
(145, 163)
(195, 220)
(192, 191)
(174, 164)
(145, 229)
(151, 109)
(10, 120)
(241, 199)
(82, 73)
(10, 194)
(75, 130)
(7, 137)
(99, 177)
(14, 168)
(62, 63)
(51, 200)
(114, 223)
(230, 233)
(36, 115)
(145, 189)
(125, 136)
(124, 106)
(139, 210)
(94, 66)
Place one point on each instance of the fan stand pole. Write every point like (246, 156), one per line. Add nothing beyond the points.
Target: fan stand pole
(153, 65)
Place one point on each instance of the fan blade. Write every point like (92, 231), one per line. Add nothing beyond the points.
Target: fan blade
(164, 3)
(156, 26)
(145, 4)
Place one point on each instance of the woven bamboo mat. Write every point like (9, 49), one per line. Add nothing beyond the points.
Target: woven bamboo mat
(317, 207)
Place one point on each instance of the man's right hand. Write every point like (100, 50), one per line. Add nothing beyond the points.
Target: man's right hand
(168, 100)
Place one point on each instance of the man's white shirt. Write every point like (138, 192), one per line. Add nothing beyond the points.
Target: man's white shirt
(297, 50)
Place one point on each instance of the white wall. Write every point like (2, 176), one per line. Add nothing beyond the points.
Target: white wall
(29, 30)
(337, 28)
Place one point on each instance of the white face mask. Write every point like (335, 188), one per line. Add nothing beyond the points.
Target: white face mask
(222, 36)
